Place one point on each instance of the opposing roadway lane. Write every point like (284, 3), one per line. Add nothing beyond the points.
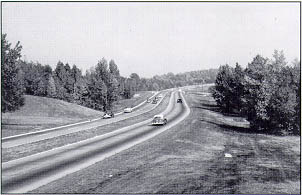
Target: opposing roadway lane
(55, 132)
(28, 173)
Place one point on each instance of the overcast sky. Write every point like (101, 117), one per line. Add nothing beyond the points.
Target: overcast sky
(152, 38)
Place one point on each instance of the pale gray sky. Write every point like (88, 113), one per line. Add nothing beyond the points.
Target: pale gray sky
(152, 38)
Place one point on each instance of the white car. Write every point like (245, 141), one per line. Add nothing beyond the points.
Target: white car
(108, 115)
(159, 120)
(127, 110)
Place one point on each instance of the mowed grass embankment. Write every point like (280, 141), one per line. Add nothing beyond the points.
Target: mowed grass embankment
(201, 155)
(40, 113)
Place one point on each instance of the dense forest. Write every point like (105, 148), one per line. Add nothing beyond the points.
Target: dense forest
(267, 92)
(98, 88)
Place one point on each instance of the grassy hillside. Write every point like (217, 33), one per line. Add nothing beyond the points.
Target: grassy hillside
(42, 112)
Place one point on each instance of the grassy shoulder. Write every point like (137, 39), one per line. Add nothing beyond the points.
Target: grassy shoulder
(41, 112)
(199, 155)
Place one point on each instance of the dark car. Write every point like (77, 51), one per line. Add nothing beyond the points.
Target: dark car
(154, 101)
(179, 100)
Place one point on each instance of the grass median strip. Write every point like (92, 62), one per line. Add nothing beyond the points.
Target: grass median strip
(40, 146)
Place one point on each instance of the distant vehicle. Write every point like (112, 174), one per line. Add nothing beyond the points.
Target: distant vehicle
(148, 100)
(154, 101)
(179, 100)
(127, 110)
(160, 96)
(159, 120)
(108, 115)
(157, 97)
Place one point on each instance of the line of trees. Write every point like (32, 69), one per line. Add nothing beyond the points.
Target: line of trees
(267, 92)
(98, 88)
(171, 80)
(11, 82)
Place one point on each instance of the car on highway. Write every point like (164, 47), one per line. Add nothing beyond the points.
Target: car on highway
(148, 100)
(154, 101)
(160, 96)
(108, 115)
(127, 110)
(159, 120)
(179, 100)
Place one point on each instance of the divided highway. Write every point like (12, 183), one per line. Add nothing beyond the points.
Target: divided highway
(28, 173)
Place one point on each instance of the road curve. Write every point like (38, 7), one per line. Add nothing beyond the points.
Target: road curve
(55, 132)
(28, 173)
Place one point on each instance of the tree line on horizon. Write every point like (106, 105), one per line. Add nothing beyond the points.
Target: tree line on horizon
(267, 93)
(98, 88)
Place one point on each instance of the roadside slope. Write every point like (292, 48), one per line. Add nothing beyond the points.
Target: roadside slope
(42, 112)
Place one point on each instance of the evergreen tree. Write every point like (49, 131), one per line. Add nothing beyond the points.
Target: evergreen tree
(256, 96)
(29, 76)
(238, 83)
(102, 71)
(41, 88)
(113, 69)
(60, 78)
(284, 101)
(224, 88)
(296, 85)
(97, 93)
(51, 88)
(128, 91)
(112, 91)
(79, 85)
(282, 106)
(11, 83)
(121, 89)
(135, 80)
